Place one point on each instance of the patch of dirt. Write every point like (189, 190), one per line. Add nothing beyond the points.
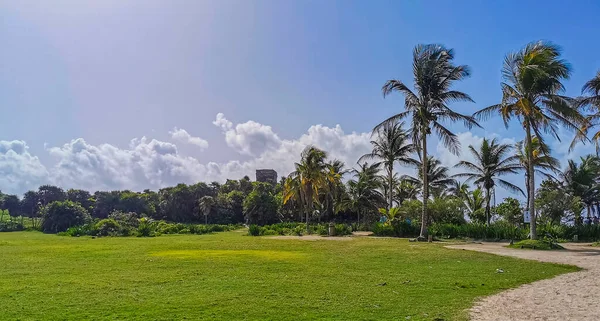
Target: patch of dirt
(572, 296)
(310, 238)
(362, 233)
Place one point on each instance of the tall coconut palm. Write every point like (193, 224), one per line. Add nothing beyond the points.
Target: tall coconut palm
(335, 187)
(492, 160)
(391, 145)
(543, 164)
(205, 205)
(531, 93)
(363, 191)
(426, 106)
(438, 177)
(311, 173)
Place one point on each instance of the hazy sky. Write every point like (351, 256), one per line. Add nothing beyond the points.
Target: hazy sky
(114, 94)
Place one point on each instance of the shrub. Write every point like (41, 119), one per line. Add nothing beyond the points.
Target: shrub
(299, 230)
(395, 228)
(11, 226)
(110, 227)
(343, 229)
(254, 230)
(147, 228)
(130, 219)
(60, 216)
(536, 245)
(82, 230)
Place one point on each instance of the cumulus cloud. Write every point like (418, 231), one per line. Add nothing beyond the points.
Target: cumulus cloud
(249, 138)
(181, 135)
(152, 164)
(18, 168)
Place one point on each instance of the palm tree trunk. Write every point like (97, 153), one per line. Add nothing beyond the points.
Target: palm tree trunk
(423, 232)
(487, 205)
(390, 185)
(531, 184)
(309, 206)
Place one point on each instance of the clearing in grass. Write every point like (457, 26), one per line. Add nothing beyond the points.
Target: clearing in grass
(231, 276)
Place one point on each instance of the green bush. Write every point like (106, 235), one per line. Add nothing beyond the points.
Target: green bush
(480, 231)
(396, 228)
(147, 228)
(60, 216)
(11, 226)
(536, 245)
(109, 227)
(254, 230)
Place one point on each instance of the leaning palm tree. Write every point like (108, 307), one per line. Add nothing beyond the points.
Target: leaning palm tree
(205, 204)
(543, 164)
(492, 160)
(311, 173)
(438, 177)
(391, 145)
(427, 105)
(531, 93)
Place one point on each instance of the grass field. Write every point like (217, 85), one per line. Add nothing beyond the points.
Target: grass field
(231, 276)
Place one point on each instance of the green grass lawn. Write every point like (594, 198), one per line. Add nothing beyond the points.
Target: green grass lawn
(231, 276)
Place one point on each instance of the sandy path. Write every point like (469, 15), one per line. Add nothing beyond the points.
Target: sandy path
(572, 296)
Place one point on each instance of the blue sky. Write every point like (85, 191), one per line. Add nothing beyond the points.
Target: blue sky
(82, 83)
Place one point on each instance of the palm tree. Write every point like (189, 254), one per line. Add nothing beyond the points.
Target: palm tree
(391, 145)
(427, 106)
(438, 178)
(405, 190)
(335, 187)
(311, 176)
(542, 163)
(592, 88)
(531, 94)
(491, 161)
(363, 190)
(458, 189)
(475, 201)
(583, 181)
(205, 204)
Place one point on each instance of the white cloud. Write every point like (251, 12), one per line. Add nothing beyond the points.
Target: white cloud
(181, 135)
(150, 163)
(249, 138)
(18, 168)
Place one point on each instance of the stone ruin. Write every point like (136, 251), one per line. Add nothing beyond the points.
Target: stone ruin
(266, 176)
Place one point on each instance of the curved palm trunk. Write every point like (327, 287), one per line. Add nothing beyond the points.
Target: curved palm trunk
(424, 217)
(531, 184)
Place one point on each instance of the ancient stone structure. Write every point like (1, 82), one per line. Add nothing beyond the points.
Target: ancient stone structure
(266, 175)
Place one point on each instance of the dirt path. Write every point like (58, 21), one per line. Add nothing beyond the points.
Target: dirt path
(572, 296)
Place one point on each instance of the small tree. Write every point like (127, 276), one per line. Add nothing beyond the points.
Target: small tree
(510, 211)
(205, 204)
(59, 216)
